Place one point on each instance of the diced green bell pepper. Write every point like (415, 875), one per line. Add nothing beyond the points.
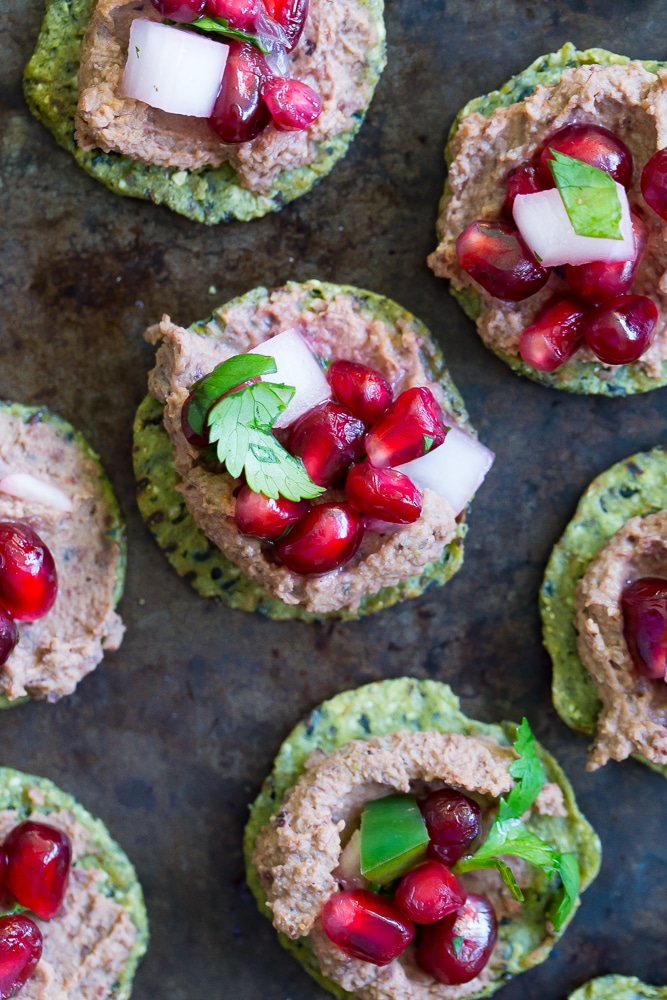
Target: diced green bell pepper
(393, 838)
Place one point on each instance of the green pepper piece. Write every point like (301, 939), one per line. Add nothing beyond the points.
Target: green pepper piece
(393, 838)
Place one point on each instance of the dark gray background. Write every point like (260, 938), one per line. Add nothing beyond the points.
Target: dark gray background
(171, 737)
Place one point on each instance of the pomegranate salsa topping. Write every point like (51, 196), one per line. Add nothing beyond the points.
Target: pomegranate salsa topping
(28, 581)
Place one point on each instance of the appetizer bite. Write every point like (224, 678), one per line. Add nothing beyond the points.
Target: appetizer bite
(315, 459)
(403, 850)
(219, 109)
(553, 224)
(62, 557)
(618, 988)
(604, 613)
(73, 921)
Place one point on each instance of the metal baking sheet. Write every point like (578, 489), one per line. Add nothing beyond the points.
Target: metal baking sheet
(171, 737)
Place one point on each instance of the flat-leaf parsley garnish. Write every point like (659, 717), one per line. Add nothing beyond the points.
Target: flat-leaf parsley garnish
(589, 196)
(221, 26)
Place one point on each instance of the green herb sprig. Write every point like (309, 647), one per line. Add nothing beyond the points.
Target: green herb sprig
(589, 196)
(221, 26)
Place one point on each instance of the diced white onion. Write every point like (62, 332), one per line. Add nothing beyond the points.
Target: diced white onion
(455, 470)
(174, 70)
(348, 873)
(546, 228)
(23, 486)
(296, 366)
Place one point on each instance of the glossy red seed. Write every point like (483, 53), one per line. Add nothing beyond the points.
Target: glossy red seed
(619, 331)
(453, 822)
(525, 179)
(383, 493)
(262, 517)
(592, 144)
(183, 11)
(602, 280)
(494, 255)
(293, 104)
(28, 579)
(654, 183)
(291, 16)
(239, 113)
(20, 951)
(38, 864)
(9, 635)
(242, 14)
(363, 390)
(326, 538)
(429, 892)
(411, 427)
(554, 336)
(456, 949)
(644, 606)
(366, 926)
(327, 439)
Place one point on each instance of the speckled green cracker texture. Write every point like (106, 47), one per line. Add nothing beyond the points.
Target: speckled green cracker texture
(202, 564)
(632, 488)
(574, 376)
(420, 705)
(209, 194)
(618, 988)
(119, 881)
(115, 524)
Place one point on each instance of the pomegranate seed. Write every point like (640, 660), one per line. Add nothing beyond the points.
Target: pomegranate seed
(9, 635)
(293, 104)
(326, 538)
(20, 951)
(183, 11)
(327, 439)
(525, 179)
(383, 493)
(554, 336)
(456, 949)
(654, 183)
(262, 517)
(429, 892)
(291, 16)
(241, 14)
(494, 255)
(410, 428)
(38, 863)
(364, 391)
(601, 280)
(366, 926)
(239, 113)
(28, 579)
(644, 606)
(619, 331)
(453, 821)
(591, 144)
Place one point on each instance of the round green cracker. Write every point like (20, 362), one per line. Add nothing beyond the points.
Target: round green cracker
(632, 488)
(618, 988)
(209, 194)
(197, 559)
(586, 377)
(120, 880)
(419, 705)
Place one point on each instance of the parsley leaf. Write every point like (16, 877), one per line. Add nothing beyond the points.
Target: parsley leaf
(457, 943)
(589, 196)
(528, 773)
(222, 379)
(221, 26)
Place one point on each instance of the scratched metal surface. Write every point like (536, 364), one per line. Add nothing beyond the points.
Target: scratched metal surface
(171, 737)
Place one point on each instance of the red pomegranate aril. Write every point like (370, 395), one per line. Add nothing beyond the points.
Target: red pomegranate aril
(453, 822)
(38, 864)
(28, 579)
(326, 538)
(262, 517)
(293, 104)
(241, 14)
(239, 113)
(363, 390)
(525, 179)
(456, 949)
(591, 144)
(20, 951)
(554, 336)
(429, 892)
(654, 183)
(9, 635)
(494, 255)
(366, 926)
(411, 427)
(644, 606)
(183, 11)
(291, 16)
(601, 280)
(327, 439)
(619, 331)
(386, 494)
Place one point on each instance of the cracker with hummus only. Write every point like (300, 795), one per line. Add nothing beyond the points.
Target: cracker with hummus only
(627, 494)
(618, 988)
(493, 134)
(71, 85)
(409, 706)
(231, 329)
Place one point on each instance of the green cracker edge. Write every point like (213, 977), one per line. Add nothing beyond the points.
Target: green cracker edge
(618, 988)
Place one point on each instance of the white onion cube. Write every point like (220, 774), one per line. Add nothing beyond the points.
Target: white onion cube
(296, 366)
(546, 228)
(24, 486)
(172, 69)
(454, 470)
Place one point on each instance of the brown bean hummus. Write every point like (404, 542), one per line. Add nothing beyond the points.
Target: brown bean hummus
(56, 651)
(297, 853)
(634, 708)
(333, 329)
(626, 99)
(330, 57)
